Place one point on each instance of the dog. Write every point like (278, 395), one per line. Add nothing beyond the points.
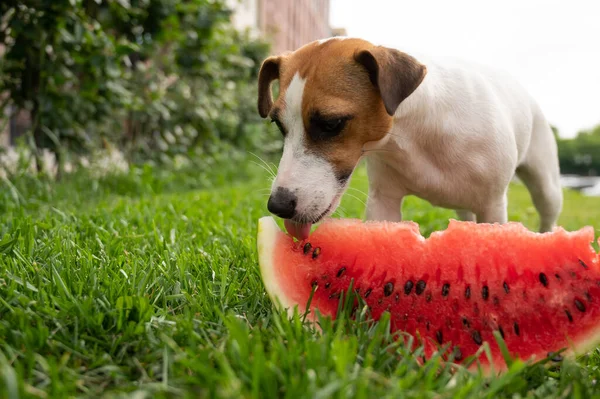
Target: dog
(453, 133)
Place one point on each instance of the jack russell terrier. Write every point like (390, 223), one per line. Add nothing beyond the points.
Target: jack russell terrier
(451, 133)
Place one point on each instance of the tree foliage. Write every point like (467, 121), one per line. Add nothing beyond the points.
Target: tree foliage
(581, 155)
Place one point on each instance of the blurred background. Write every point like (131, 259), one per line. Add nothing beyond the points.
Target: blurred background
(122, 84)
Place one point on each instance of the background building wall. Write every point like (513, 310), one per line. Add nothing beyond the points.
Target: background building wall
(287, 24)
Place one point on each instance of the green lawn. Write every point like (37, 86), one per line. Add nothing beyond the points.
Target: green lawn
(149, 283)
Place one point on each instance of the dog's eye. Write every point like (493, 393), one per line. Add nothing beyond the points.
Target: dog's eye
(332, 125)
(327, 128)
(279, 125)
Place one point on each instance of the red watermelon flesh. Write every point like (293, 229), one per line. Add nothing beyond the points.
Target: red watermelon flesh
(541, 292)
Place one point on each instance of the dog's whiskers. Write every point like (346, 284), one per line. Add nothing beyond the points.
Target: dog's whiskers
(341, 212)
(359, 191)
(356, 198)
(269, 172)
(265, 165)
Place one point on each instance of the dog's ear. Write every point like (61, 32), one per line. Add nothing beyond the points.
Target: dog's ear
(269, 71)
(394, 73)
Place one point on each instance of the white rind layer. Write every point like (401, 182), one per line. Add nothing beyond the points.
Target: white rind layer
(268, 230)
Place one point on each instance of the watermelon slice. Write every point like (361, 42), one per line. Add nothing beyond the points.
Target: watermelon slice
(541, 292)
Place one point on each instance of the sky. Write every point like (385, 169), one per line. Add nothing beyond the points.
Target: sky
(552, 47)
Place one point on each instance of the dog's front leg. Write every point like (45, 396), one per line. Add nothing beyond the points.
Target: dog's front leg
(381, 207)
(385, 194)
(494, 212)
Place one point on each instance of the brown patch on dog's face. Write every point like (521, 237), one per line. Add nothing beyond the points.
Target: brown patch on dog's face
(339, 91)
(349, 91)
(351, 80)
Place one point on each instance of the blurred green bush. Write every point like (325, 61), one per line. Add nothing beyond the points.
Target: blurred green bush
(159, 79)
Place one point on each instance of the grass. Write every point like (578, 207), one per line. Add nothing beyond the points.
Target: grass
(147, 284)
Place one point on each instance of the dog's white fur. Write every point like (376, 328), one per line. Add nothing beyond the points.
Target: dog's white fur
(308, 176)
(456, 142)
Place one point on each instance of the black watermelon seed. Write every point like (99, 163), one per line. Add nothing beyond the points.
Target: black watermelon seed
(579, 305)
(582, 263)
(368, 292)
(316, 252)
(457, 354)
(314, 283)
(307, 248)
(506, 287)
(468, 292)
(555, 357)
(445, 289)
(485, 292)
(397, 297)
(569, 315)
(388, 289)
(335, 295)
(420, 287)
(517, 329)
(439, 337)
(340, 272)
(427, 325)
(466, 323)
(543, 279)
(501, 331)
(476, 337)
(428, 297)
(408, 287)
(327, 284)
(588, 296)
(557, 276)
(496, 301)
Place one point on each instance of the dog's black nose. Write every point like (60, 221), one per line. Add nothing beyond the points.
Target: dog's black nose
(282, 203)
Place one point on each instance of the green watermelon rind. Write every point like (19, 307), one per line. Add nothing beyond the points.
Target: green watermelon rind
(266, 241)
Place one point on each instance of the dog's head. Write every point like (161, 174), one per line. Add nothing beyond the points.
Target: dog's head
(335, 96)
